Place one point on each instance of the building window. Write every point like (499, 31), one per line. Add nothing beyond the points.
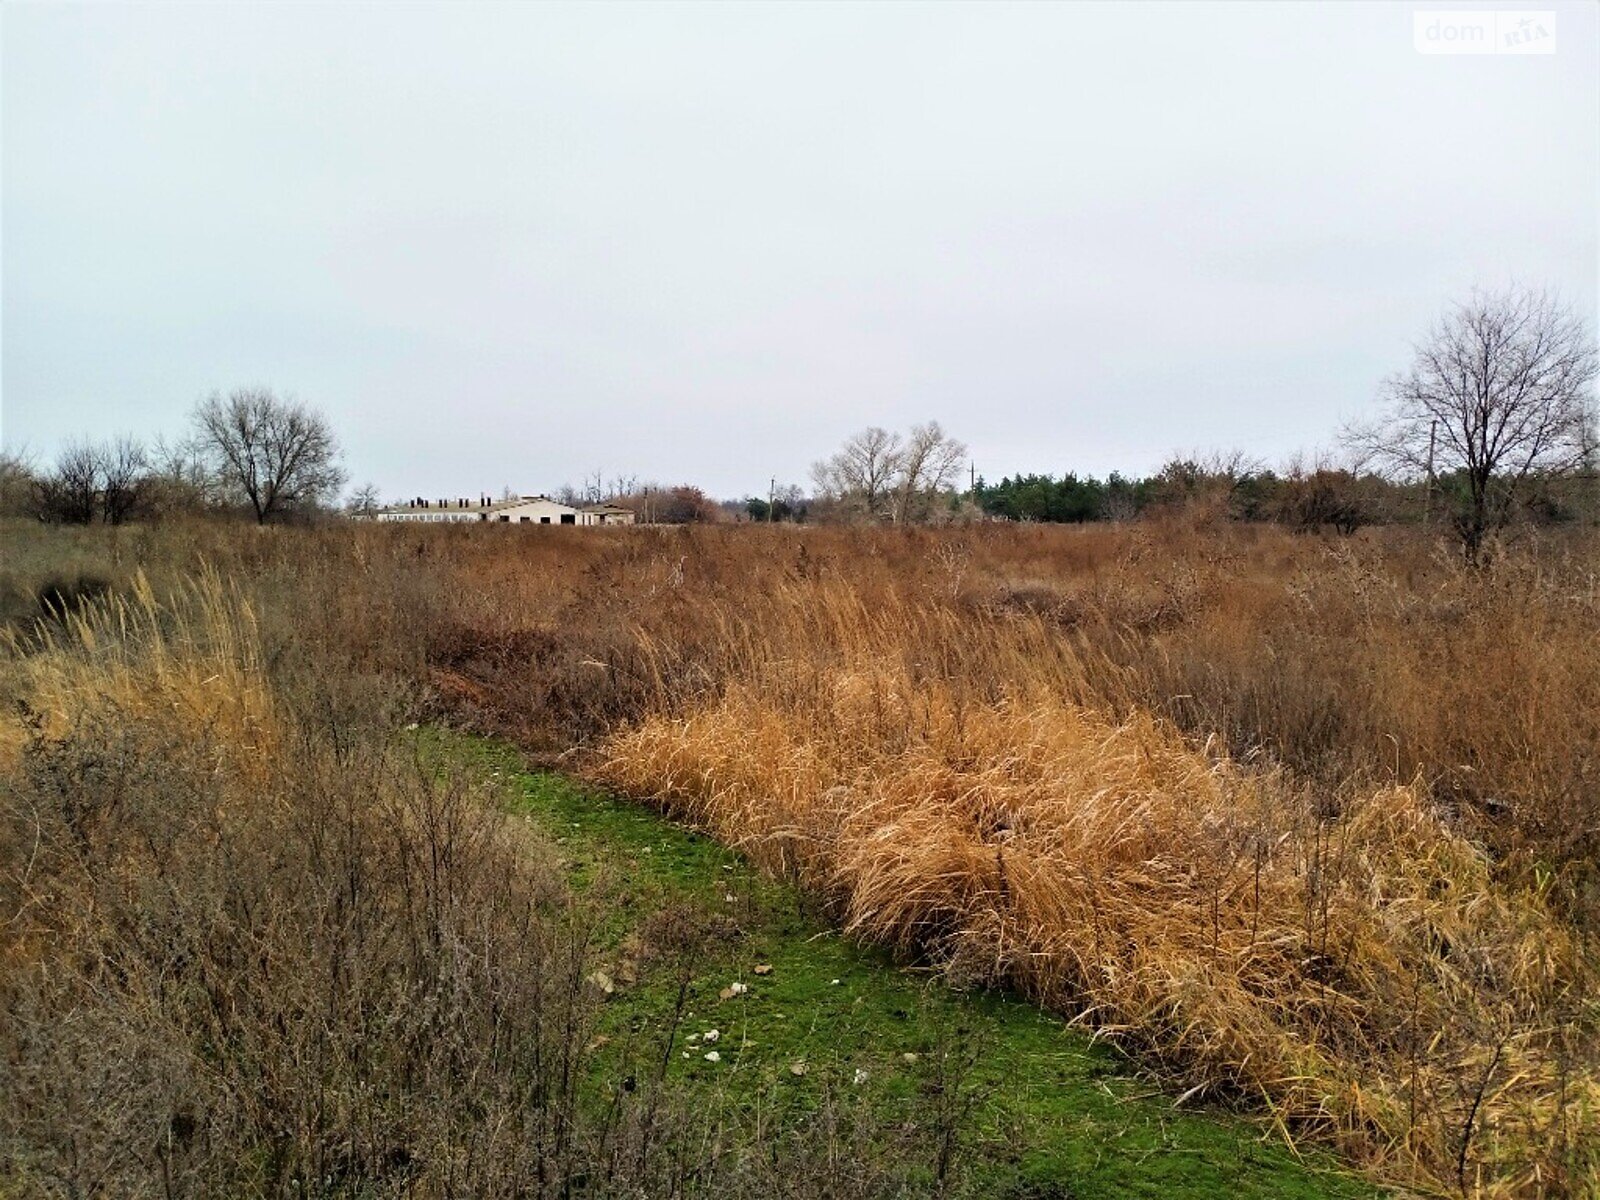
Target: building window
(569, 518)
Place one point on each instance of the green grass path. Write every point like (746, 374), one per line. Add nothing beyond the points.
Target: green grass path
(1048, 1112)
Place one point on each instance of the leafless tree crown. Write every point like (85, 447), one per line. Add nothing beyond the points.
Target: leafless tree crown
(277, 454)
(879, 475)
(123, 480)
(1500, 391)
(930, 462)
(365, 500)
(70, 492)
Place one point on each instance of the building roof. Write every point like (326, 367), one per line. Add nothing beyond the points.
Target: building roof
(434, 504)
(608, 508)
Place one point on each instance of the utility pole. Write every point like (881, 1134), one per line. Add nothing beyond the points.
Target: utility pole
(1433, 433)
(772, 491)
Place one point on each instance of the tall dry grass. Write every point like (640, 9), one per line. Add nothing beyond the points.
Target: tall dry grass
(243, 954)
(1312, 823)
(249, 946)
(1347, 962)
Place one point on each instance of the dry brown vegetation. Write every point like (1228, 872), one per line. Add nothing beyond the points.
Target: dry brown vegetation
(248, 954)
(1311, 824)
(251, 944)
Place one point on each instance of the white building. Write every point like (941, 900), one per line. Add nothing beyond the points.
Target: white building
(606, 514)
(518, 510)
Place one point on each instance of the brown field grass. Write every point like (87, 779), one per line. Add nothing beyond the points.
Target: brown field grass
(1348, 963)
(1310, 824)
(252, 943)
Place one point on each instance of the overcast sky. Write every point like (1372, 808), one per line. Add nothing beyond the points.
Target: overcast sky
(514, 244)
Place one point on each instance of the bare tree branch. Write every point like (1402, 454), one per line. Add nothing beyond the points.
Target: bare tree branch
(123, 479)
(861, 475)
(1500, 392)
(279, 455)
(929, 464)
(70, 493)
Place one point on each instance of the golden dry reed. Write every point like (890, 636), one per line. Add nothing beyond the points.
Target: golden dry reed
(193, 660)
(1346, 961)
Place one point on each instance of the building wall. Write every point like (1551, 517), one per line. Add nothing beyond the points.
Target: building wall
(430, 514)
(538, 511)
(535, 511)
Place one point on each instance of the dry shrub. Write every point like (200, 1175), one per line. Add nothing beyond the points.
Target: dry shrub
(1354, 663)
(243, 957)
(248, 949)
(1350, 962)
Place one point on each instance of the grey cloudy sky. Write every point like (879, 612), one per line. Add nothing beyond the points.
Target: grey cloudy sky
(512, 244)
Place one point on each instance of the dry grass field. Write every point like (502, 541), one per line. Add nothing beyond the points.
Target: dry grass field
(1308, 824)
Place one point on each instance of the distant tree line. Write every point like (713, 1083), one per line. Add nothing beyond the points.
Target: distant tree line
(250, 452)
(1494, 422)
(651, 503)
(1322, 497)
(1067, 500)
(1303, 498)
(787, 503)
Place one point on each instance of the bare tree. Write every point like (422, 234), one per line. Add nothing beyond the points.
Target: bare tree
(788, 503)
(179, 478)
(929, 462)
(70, 492)
(123, 479)
(365, 501)
(861, 475)
(1500, 393)
(279, 455)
